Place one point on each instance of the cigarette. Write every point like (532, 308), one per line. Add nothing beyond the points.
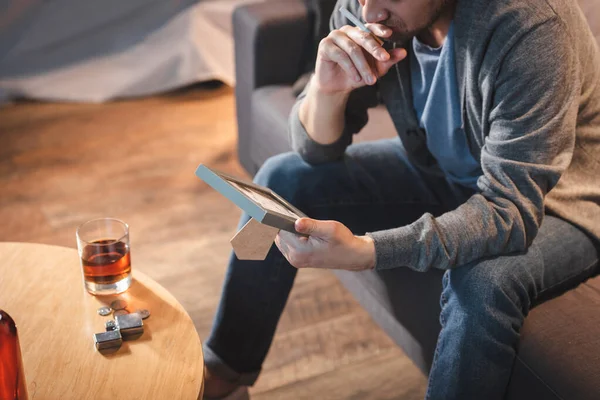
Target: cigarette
(359, 24)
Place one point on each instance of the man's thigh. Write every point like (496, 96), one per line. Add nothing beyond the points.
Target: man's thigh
(373, 187)
(569, 256)
(560, 257)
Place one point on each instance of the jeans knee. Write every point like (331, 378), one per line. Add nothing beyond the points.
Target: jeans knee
(281, 173)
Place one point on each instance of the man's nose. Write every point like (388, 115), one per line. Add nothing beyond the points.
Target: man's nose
(372, 12)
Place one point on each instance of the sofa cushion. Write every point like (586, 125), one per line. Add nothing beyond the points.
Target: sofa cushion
(560, 344)
(271, 106)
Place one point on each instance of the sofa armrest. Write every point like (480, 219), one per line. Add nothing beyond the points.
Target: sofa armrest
(270, 39)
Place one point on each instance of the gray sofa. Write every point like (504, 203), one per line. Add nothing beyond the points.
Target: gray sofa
(559, 351)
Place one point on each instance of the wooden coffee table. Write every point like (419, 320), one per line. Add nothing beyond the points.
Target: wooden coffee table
(41, 288)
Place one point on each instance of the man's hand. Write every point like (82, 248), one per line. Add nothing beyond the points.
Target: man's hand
(329, 245)
(349, 58)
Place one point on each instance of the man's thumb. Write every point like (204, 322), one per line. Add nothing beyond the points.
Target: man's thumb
(313, 227)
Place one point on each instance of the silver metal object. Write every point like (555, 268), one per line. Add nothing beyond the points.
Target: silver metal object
(108, 340)
(110, 325)
(104, 311)
(143, 313)
(118, 305)
(359, 24)
(130, 325)
(120, 312)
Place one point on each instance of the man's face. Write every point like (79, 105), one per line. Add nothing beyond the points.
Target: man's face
(406, 18)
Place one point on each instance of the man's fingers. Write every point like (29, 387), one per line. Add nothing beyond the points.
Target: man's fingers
(380, 30)
(330, 51)
(306, 226)
(396, 55)
(280, 245)
(315, 228)
(283, 246)
(367, 42)
(291, 241)
(355, 53)
(294, 249)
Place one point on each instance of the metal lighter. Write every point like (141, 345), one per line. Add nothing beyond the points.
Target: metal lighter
(130, 325)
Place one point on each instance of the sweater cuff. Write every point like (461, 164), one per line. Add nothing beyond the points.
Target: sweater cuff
(395, 248)
(311, 151)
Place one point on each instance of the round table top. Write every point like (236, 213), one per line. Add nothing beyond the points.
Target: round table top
(41, 287)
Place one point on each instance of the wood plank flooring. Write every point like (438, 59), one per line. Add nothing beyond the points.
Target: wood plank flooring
(61, 164)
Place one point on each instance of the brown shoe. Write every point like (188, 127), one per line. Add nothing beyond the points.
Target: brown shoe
(221, 389)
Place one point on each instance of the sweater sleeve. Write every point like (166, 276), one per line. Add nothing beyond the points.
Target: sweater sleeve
(355, 115)
(530, 143)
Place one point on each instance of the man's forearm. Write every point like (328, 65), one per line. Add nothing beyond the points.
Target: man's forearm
(322, 115)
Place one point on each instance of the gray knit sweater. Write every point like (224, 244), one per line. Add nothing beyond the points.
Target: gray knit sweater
(529, 79)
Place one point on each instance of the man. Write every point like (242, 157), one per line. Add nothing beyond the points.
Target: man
(494, 178)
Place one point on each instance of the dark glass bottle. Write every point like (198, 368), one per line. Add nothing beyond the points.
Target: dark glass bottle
(12, 378)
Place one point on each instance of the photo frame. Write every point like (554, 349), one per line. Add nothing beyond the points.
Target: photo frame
(260, 203)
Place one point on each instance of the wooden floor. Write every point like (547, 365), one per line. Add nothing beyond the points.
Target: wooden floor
(61, 164)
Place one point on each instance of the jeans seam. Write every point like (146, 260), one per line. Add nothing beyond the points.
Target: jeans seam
(444, 302)
(442, 317)
(433, 363)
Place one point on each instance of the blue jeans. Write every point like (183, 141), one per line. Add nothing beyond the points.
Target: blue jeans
(375, 187)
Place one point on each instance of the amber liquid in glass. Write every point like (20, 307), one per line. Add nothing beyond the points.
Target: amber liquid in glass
(12, 378)
(105, 262)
